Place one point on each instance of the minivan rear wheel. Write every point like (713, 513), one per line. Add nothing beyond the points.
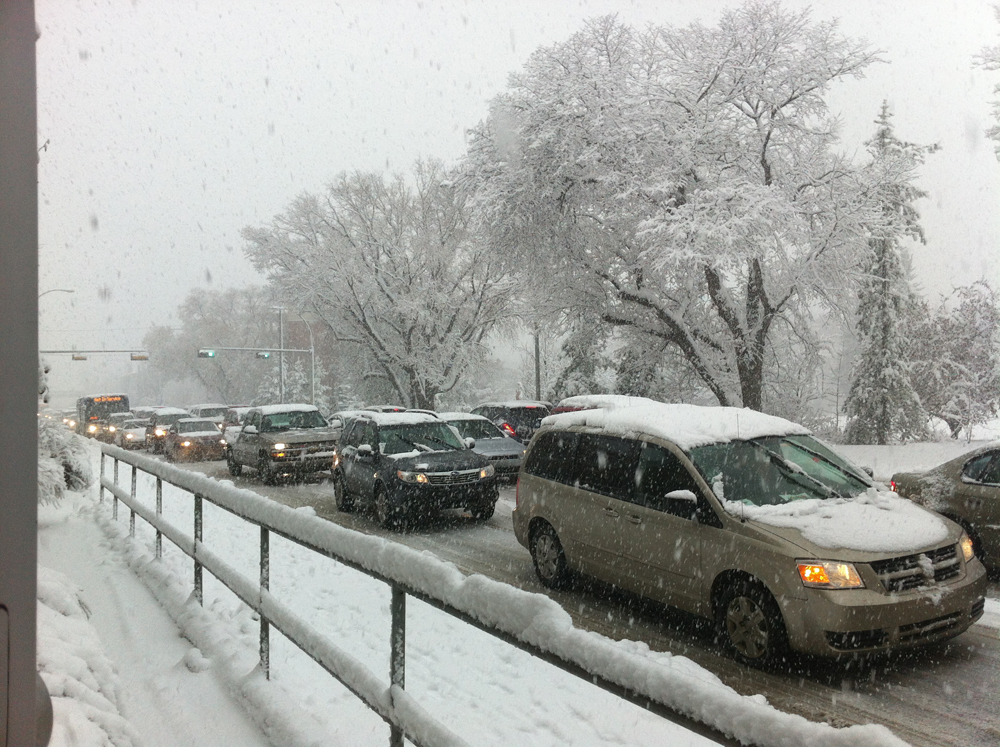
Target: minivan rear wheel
(549, 558)
(750, 623)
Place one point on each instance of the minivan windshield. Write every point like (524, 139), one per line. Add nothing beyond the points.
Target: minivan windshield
(777, 469)
(402, 439)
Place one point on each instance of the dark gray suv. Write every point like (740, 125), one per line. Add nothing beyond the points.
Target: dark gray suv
(408, 465)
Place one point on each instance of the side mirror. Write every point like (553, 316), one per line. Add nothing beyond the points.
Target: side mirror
(470, 443)
(365, 450)
(869, 471)
(250, 430)
(681, 495)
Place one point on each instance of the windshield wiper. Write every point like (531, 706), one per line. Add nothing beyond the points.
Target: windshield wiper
(782, 464)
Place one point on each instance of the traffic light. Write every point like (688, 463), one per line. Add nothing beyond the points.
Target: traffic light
(263, 354)
(140, 356)
(206, 353)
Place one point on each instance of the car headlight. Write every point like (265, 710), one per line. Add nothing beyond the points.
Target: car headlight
(185, 443)
(486, 471)
(222, 441)
(129, 435)
(968, 551)
(336, 460)
(278, 447)
(111, 429)
(92, 428)
(160, 432)
(419, 477)
(829, 574)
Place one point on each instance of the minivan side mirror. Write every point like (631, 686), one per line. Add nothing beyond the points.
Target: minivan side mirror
(681, 495)
(365, 450)
(470, 443)
(250, 429)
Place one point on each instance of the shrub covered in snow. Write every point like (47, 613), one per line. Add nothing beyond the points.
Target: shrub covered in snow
(63, 462)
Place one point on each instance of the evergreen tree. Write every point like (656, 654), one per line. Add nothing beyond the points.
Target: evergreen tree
(882, 403)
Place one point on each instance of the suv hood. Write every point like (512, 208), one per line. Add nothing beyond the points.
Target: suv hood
(299, 436)
(869, 526)
(439, 461)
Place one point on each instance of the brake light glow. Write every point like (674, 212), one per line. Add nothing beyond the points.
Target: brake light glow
(506, 428)
(892, 486)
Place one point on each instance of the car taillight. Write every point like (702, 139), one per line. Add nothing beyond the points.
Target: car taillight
(506, 428)
(892, 486)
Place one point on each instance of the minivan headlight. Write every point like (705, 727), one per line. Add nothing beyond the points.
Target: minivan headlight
(829, 574)
(419, 477)
(486, 471)
(968, 552)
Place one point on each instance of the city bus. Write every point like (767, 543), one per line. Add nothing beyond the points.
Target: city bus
(90, 410)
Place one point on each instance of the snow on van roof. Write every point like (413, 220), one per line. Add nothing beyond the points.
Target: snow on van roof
(582, 401)
(687, 426)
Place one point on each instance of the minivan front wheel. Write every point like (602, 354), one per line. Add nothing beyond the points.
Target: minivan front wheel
(549, 558)
(750, 624)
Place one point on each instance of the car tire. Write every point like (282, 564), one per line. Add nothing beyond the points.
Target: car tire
(483, 512)
(264, 471)
(549, 558)
(344, 502)
(750, 624)
(389, 516)
(235, 468)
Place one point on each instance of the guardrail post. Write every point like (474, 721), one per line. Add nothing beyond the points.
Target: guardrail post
(198, 593)
(131, 518)
(100, 494)
(114, 504)
(265, 583)
(397, 654)
(159, 513)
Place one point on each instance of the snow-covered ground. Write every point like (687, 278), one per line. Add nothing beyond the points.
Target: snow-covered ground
(132, 660)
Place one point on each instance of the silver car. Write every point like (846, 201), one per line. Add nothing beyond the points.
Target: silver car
(505, 453)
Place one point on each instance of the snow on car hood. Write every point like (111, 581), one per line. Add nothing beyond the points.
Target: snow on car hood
(874, 521)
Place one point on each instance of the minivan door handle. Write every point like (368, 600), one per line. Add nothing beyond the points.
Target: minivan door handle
(610, 513)
(633, 518)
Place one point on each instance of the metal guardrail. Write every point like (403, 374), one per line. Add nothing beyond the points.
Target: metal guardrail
(403, 715)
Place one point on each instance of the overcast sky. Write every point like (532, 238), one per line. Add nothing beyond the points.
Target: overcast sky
(167, 127)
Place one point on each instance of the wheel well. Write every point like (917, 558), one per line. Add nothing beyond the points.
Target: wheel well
(726, 579)
(534, 526)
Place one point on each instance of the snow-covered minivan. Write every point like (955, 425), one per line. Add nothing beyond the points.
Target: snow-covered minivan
(748, 520)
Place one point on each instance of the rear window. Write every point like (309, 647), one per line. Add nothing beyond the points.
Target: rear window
(524, 417)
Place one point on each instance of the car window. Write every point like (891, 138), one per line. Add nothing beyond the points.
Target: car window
(661, 472)
(991, 473)
(607, 465)
(553, 456)
(401, 439)
(524, 417)
(975, 468)
(477, 429)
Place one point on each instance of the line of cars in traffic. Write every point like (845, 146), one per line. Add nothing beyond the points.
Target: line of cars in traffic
(742, 518)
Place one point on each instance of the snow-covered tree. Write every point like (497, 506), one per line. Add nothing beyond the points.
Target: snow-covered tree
(989, 58)
(882, 403)
(239, 317)
(680, 182)
(63, 461)
(956, 358)
(392, 267)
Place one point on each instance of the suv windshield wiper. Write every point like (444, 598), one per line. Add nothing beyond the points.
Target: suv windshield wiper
(796, 473)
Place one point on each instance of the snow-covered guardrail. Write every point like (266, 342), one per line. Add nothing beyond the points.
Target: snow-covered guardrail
(531, 622)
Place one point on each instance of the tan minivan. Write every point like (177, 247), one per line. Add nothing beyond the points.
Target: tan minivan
(745, 519)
